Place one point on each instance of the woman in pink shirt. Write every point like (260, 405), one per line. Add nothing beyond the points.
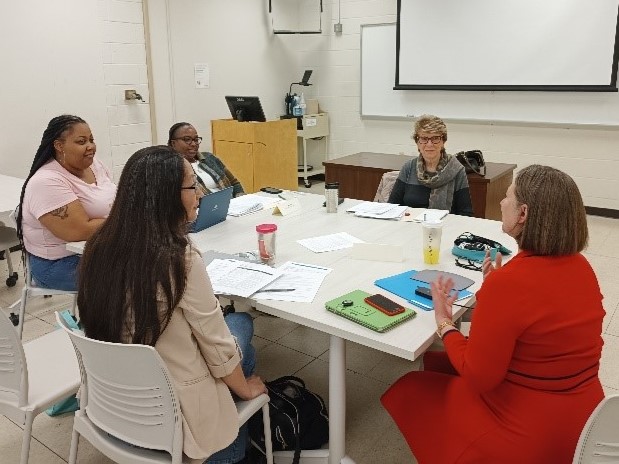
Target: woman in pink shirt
(66, 197)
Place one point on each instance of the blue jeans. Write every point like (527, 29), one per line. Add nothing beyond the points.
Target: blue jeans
(241, 327)
(58, 274)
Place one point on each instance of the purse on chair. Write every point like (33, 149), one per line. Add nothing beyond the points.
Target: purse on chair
(473, 161)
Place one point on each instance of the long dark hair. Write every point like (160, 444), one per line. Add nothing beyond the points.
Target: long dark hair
(56, 130)
(137, 257)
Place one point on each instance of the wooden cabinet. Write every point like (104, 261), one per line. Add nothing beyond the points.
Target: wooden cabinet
(259, 154)
(360, 174)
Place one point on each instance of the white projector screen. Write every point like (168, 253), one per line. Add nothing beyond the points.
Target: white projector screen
(563, 45)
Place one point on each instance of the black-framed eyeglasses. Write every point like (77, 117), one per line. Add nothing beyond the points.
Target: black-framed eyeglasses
(195, 187)
(435, 139)
(188, 140)
(468, 264)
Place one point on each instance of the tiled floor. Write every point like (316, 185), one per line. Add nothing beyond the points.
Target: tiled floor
(287, 348)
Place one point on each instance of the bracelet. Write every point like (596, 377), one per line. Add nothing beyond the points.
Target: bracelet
(442, 325)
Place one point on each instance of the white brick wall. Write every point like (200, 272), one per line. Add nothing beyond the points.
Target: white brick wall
(124, 67)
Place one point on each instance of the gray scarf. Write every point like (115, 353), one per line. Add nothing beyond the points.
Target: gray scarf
(440, 182)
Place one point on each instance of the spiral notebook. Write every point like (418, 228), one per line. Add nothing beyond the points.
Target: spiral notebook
(364, 314)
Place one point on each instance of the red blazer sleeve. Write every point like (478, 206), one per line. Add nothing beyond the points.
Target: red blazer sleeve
(483, 359)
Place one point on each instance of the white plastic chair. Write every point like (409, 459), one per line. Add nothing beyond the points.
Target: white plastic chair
(30, 290)
(132, 415)
(599, 439)
(8, 240)
(34, 376)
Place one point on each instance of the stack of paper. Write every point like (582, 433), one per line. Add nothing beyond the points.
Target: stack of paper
(246, 204)
(240, 278)
(330, 242)
(374, 210)
(299, 282)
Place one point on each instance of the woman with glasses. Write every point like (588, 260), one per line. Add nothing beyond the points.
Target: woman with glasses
(66, 197)
(146, 284)
(521, 387)
(434, 179)
(211, 171)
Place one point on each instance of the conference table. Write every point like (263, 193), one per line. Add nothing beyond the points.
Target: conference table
(408, 340)
(10, 191)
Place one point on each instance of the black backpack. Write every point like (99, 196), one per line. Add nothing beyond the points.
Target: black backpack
(299, 418)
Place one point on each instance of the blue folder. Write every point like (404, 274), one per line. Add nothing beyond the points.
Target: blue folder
(404, 285)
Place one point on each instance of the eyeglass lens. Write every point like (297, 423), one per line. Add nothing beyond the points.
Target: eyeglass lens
(434, 139)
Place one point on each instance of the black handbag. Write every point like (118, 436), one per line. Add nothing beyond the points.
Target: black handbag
(299, 418)
(473, 161)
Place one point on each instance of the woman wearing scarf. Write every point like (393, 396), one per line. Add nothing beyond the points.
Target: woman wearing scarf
(435, 179)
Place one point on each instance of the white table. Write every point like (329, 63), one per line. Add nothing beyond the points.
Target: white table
(408, 340)
(10, 191)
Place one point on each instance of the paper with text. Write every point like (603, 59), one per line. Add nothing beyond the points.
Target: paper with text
(240, 278)
(329, 242)
(299, 282)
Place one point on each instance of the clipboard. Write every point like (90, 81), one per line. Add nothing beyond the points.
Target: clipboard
(364, 314)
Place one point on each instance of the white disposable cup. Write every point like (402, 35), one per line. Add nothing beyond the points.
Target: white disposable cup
(432, 232)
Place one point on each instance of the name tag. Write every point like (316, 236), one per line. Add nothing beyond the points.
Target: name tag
(287, 207)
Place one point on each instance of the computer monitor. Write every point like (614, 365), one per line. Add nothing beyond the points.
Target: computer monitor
(246, 108)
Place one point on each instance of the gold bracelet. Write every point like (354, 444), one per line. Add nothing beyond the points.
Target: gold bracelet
(442, 325)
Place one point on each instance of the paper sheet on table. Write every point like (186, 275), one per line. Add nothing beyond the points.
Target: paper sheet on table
(330, 242)
(431, 215)
(303, 281)
(374, 210)
(239, 278)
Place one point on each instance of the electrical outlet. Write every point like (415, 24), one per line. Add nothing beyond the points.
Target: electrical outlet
(131, 95)
(337, 28)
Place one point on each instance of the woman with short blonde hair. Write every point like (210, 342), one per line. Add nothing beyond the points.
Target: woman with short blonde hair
(434, 179)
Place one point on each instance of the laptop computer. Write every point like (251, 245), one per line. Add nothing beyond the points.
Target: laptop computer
(213, 209)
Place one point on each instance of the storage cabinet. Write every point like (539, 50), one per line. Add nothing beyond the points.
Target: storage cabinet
(259, 154)
(315, 127)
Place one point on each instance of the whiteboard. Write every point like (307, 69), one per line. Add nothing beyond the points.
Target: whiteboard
(379, 100)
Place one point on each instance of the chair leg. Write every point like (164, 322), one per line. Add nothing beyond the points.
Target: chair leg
(75, 438)
(268, 444)
(22, 311)
(25, 445)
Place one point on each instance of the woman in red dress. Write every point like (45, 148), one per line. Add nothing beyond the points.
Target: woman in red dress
(520, 388)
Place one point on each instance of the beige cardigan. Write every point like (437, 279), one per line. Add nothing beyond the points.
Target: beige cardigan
(198, 350)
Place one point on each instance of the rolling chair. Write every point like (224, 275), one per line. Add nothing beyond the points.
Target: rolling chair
(133, 415)
(599, 439)
(33, 376)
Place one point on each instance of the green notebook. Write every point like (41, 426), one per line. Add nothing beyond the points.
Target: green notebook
(364, 314)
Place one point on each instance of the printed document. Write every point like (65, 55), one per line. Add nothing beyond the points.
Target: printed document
(330, 242)
(239, 278)
(375, 210)
(299, 282)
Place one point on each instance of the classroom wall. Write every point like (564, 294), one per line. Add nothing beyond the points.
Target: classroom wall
(78, 57)
(234, 39)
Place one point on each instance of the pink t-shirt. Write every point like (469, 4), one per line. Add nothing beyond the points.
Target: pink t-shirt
(51, 187)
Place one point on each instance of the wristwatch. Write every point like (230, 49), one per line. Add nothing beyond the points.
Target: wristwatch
(442, 325)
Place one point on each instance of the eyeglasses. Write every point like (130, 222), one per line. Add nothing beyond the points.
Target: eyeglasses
(195, 187)
(188, 140)
(435, 139)
(468, 264)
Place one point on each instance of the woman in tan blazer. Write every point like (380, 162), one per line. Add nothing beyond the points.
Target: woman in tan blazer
(141, 281)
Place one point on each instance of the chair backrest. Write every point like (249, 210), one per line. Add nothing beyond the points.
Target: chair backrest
(127, 392)
(386, 186)
(599, 439)
(13, 367)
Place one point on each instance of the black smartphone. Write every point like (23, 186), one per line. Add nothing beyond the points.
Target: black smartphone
(384, 304)
(272, 190)
(424, 291)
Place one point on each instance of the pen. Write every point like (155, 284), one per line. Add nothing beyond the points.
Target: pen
(282, 196)
(277, 290)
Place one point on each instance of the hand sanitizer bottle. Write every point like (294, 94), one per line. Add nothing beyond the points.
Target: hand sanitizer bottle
(302, 104)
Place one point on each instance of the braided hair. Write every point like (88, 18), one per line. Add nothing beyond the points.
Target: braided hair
(55, 130)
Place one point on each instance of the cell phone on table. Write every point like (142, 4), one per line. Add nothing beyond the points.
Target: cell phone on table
(271, 190)
(384, 304)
